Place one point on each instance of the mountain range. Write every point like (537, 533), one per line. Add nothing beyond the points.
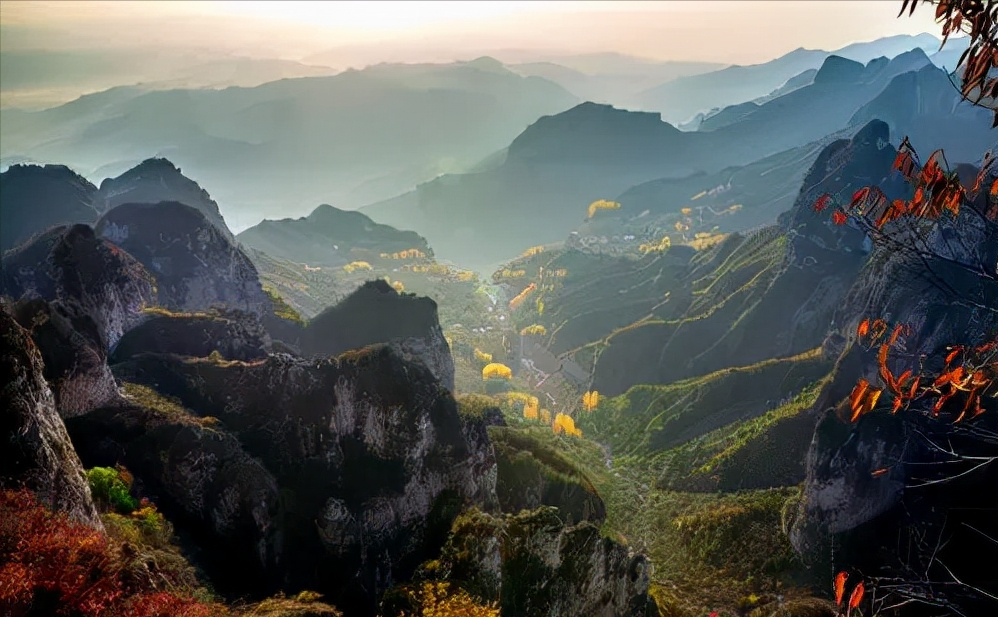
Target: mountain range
(355, 137)
(560, 164)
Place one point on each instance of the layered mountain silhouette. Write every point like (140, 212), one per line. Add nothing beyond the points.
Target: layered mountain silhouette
(555, 168)
(351, 138)
(681, 98)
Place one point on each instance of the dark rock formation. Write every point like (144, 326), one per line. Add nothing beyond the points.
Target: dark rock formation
(535, 565)
(75, 357)
(35, 450)
(155, 180)
(36, 198)
(370, 457)
(226, 502)
(195, 264)
(376, 313)
(896, 480)
(236, 336)
(74, 266)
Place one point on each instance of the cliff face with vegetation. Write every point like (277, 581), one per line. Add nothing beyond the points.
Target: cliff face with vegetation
(37, 452)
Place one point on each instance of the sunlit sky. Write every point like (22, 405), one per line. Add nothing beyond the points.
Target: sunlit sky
(730, 32)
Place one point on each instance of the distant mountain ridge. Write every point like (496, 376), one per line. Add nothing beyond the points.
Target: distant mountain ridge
(327, 237)
(351, 138)
(680, 99)
(561, 163)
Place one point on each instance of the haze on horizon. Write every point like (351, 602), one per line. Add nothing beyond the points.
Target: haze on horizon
(362, 33)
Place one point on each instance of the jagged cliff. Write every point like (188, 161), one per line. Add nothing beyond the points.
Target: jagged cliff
(74, 266)
(889, 480)
(314, 426)
(195, 264)
(376, 313)
(37, 452)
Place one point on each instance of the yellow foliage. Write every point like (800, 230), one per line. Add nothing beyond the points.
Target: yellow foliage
(353, 266)
(602, 204)
(518, 300)
(540, 306)
(705, 240)
(482, 356)
(494, 370)
(687, 211)
(531, 408)
(565, 424)
(535, 329)
(406, 254)
(590, 400)
(398, 286)
(506, 273)
(441, 599)
(530, 252)
(663, 245)
(545, 416)
(465, 276)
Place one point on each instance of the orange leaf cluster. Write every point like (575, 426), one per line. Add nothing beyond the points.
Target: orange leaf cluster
(46, 553)
(855, 597)
(967, 381)
(565, 424)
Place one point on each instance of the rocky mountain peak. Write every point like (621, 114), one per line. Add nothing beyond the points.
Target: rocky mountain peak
(195, 263)
(838, 70)
(155, 180)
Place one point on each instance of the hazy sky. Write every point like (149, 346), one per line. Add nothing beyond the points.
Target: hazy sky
(730, 32)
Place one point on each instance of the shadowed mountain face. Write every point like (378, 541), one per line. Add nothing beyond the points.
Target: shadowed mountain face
(349, 139)
(156, 180)
(327, 236)
(33, 199)
(194, 264)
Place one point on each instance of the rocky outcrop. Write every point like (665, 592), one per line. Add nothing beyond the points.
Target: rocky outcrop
(195, 264)
(200, 476)
(534, 565)
(36, 198)
(889, 480)
(74, 355)
(155, 180)
(370, 456)
(74, 266)
(376, 313)
(234, 335)
(35, 451)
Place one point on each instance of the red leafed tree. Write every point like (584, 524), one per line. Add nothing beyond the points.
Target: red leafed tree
(947, 223)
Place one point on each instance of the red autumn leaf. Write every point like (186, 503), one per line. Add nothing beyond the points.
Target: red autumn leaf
(822, 202)
(897, 405)
(994, 188)
(876, 473)
(864, 328)
(859, 196)
(857, 596)
(839, 217)
(840, 586)
(953, 354)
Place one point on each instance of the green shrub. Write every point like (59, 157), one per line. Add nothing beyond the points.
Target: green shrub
(112, 488)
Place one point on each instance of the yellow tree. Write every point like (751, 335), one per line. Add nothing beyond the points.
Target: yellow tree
(495, 370)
